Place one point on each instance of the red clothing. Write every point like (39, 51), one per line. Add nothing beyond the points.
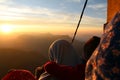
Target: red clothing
(19, 75)
(63, 72)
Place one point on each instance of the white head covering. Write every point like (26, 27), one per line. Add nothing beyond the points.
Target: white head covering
(62, 52)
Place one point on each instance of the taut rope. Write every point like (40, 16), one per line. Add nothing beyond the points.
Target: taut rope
(79, 20)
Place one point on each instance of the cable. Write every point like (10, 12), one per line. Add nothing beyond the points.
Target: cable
(79, 21)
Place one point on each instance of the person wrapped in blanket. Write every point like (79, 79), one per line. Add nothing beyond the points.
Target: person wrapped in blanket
(64, 63)
(104, 64)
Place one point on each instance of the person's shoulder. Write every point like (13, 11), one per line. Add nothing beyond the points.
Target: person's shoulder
(50, 64)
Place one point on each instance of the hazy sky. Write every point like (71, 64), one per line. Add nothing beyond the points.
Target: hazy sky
(57, 16)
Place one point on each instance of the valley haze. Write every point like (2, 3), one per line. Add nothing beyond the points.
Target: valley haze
(28, 51)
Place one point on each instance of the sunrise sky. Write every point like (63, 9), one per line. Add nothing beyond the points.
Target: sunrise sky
(54, 16)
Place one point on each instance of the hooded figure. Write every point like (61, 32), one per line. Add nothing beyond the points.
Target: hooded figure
(104, 64)
(61, 52)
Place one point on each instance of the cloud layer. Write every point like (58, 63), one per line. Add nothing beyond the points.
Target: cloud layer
(32, 16)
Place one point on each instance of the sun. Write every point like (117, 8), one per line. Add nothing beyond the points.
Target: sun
(6, 28)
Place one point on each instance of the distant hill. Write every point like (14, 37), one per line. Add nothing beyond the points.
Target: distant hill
(28, 51)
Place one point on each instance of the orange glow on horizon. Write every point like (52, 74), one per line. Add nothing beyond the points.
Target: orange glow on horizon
(57, 29)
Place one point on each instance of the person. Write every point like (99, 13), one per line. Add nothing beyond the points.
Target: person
(90, 46)
(62, 52)
(64, 63)
(104, 63)
(19, 75)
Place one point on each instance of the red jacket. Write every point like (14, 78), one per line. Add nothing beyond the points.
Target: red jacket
(63, 72)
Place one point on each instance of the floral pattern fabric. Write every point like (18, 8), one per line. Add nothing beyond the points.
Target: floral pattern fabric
(104, 64)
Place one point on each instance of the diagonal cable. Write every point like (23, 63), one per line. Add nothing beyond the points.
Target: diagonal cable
(79, 21)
